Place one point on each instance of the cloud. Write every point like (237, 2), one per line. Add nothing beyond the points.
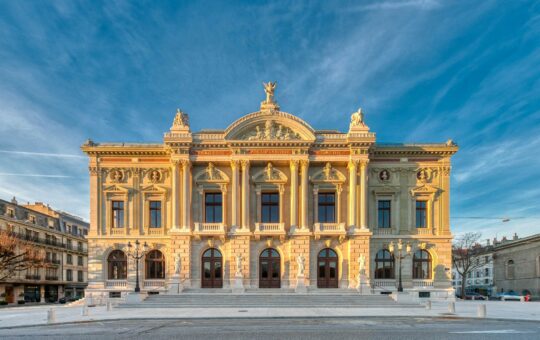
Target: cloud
(42, 154)
(396, 5)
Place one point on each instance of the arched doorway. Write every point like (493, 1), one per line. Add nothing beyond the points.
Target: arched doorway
(212, 269)
(269, 269)
(327, 269)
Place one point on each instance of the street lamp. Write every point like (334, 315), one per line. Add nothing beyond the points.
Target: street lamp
(136, 256)
(400, 256)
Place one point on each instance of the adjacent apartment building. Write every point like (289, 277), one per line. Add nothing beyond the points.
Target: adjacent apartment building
(270, 202)
(61, 238)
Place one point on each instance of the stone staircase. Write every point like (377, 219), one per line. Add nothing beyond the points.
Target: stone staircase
(271, 298)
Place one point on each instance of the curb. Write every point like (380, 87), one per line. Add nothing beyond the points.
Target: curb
(441, 316)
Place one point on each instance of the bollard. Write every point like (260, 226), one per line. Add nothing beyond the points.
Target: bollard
(51, 316)
(84, 311)
(109, 306)
(451, 307)
(481, 311)
(428, 304)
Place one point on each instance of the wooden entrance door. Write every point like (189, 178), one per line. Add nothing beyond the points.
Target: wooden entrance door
(212, 269)
(269, 269)
(327, 269)
(10, 298)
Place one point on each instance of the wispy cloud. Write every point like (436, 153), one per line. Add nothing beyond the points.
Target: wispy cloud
(397, 4)
(35, 175)
(42, 154)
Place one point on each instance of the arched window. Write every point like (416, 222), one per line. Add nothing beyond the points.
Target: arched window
(384, 265)
(117, 263)
(510, 269)
(421, 265)
(155, 265)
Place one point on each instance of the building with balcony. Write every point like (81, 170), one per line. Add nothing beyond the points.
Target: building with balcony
(269, 202)
(64, 273)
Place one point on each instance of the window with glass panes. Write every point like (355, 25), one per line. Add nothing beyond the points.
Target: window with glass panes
(155, 214)
(270, 207)
(118, 214)
(383, 207)
(327, 207)
(213, 208)
(421, 214)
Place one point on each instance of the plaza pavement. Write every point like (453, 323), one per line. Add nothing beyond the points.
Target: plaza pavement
(37, 315)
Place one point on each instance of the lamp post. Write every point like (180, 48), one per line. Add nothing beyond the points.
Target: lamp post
(400, 255)
(136, 256)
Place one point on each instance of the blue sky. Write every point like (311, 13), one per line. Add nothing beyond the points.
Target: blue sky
(422, 70)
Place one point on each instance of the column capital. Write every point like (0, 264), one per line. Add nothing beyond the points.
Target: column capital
(223, 188)
(304, 163)
(353, 164)
(294, 163)
(244, 163)
(93, 170)
(234, 163)
(185, 163)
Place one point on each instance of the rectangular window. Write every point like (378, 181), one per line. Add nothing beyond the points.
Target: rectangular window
(69, 275)
(213, 207)
(270, 207)
(383, 214)
(79, 261)
(80, 276)
(69, 259)
(327, 207)
(118, 214)
(155, 214)
(421, 214)
(11, 213)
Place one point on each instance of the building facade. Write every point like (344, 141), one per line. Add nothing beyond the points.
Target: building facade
(516, 265)
(480, 279)
(269, 202)
(66, 255)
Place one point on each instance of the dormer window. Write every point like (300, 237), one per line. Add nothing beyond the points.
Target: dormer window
(32, 219)
(11, 213)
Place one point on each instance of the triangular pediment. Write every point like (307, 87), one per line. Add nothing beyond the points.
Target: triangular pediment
(116, 189)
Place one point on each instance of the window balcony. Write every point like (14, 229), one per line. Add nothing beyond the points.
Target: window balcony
(209, 229)
(423, 283)
(150, 231)
(384, 284)
(424, 231)
(33, 277)
(269, 229)
(329, 229)
(118, 231)
(383, 231)
(51, 278)
(116, 284)
(154, 284)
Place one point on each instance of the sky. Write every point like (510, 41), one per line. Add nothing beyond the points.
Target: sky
(422, 71)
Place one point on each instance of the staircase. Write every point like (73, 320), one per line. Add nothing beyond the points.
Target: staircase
(270, 298)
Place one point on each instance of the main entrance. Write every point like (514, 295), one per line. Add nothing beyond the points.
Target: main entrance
(212, 269)
(269, 269)
(327, 269)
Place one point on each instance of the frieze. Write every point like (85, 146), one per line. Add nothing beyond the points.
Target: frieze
(270, 131)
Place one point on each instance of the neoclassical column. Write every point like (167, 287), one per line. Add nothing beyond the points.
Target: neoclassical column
(339, 189)
(224, 203)
(175, 211)
(352, 192)
(281, 203)
(304, 165)
(315, 204)
(186, 167)
(95, 202)
(294, 193)
(363, 194)
(234, 194)
(245, 194)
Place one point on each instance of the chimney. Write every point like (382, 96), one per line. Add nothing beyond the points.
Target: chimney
(14, 200)
(515, 237)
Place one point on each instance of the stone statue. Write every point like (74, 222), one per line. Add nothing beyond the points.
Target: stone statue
(357, 119)
(117, 176)
(384, 175)
(177, 264)
(155, 176)
(115, 272)
(301, 265)
(269, 171)
(211, 172)
(238, 265)
(328, 171)
(269, 88)
(361, 263)
(181, 120)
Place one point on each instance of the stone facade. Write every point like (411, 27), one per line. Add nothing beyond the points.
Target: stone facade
(270, 152)
(60, 237)
(516, 266)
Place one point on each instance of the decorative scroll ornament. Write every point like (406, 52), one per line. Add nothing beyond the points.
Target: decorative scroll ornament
(154, 176)
(117, 176)
(271, 131)
(384, 175)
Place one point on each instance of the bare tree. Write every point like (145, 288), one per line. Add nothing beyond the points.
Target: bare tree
(465, 250)
(16, 255)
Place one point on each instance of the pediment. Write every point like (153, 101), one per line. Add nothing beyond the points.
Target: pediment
(270, 126)
(211, 174)
(154, 189)
(269, 175)
(425, 189)
(116, 189)
(328, 174)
